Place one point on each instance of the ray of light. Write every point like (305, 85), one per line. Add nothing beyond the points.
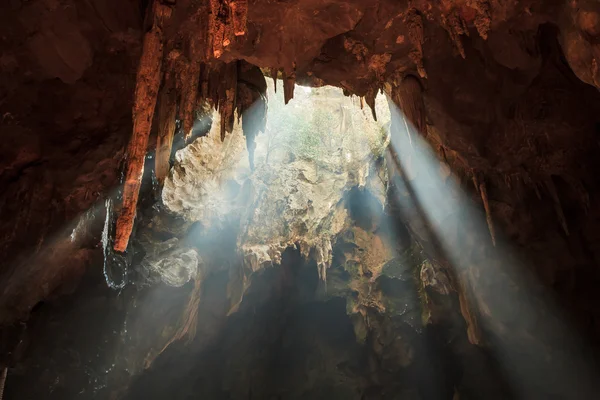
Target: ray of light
(538, 349)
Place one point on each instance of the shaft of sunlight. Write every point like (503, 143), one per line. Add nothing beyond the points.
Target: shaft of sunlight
(535, 345)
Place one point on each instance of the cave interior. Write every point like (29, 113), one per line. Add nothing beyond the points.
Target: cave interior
(299, 199)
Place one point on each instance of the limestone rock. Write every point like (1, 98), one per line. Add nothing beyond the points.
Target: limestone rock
(171, 263)
(306, 162)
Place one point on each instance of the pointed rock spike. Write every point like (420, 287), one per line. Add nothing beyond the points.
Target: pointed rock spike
(239, 14)
(370, 99)
(166, 129)
(190, 79)
(223, 128)
(274, 73)
(475, 182)
(414, 20)
(3, 381)
(537, 190)
(146, 93)
(557, 206)
(483, 18)
(488, 213)
(409, 96)
(227, 98)
(289, 83)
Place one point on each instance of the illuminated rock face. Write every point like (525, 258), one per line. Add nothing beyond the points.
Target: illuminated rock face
(314, 151)
(508, 101)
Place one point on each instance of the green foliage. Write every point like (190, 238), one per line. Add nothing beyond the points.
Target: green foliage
(308, 137)
(322, 126)
(300, 127)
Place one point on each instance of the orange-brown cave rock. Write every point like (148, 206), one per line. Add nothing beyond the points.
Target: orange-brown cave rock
(194, 202)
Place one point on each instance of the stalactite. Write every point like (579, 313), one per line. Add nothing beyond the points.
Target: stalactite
(536, 189)
(475, 181)
(251, 105)
(227, 20)
(3, 382)
(218, 27)
(594, 68)
(213, 11)
(289, 83)
(595, 72)
(167, 111)
(203, 94)
(488, 213)
(189, 81)
(416, 36)
(408, 95)
(408, 92)
(482, 192)
(146, 93)
(578, 188)
(274, 73)
(407, 131)
(466, 309)
(239, 12)
(189, 320)
(370, 100)
(227, 98)
(483, 18)
(455, 26)
(557, 206)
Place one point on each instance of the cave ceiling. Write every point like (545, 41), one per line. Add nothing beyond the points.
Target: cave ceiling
(98, 95)
(208, 51)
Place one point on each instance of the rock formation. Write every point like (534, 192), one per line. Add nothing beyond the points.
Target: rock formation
(170, 226)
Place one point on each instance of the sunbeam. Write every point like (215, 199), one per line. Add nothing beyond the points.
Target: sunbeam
(299, 199)
(524, 325)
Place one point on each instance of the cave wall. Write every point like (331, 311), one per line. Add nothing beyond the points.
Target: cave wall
(508, 97)
(67, 74)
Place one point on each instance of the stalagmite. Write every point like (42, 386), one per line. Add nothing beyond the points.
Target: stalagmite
(488, 213)
(557, 206)
(289, 82)
(146, 93)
